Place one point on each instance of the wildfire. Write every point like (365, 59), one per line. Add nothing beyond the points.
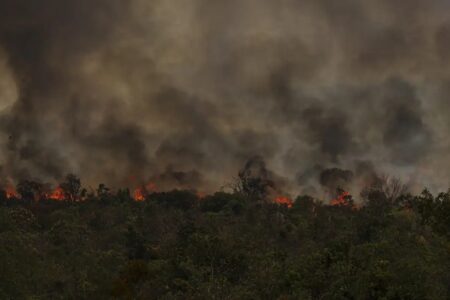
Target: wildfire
(284, 201)
(341, 199)
(141, 192)
(57, 194)
(11, 192)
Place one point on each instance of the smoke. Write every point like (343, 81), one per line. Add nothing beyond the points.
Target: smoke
(333, 179)
(185, 93)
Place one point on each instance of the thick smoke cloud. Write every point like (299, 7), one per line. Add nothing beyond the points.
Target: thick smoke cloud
(184, 93)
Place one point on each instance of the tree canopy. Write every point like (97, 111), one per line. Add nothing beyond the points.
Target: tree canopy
(177, 245)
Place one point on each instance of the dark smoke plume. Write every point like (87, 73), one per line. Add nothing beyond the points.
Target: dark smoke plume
(335, 178)
(187, 92)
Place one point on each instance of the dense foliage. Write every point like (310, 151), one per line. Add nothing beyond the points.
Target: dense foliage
(225, 246)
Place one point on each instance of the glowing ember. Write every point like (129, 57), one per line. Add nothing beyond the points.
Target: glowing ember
(57, 194)
(284, 201)
(341, 199)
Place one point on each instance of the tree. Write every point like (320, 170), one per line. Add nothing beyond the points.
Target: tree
(71, 187)
(183, 200)
(254, 180)
(30, 190)
(220, 202)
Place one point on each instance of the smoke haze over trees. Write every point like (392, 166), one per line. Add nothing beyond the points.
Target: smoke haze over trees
(186, 92)
(228, 149)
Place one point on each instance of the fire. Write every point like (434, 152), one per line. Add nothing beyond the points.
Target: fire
(11, 192)
(57, 194)
(141, 192)
(341, 199)
(284, 201)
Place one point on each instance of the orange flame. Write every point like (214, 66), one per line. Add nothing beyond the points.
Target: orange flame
(141, 192)
(284, 201)
(11, 192)
(341, 200)
(57, 194)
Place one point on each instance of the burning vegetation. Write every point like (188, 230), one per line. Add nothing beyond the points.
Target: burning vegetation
(28, 191)
(257, 185)
(343, 199)
(284, 201)
(255, 181)
(164, 101)
(152, 244)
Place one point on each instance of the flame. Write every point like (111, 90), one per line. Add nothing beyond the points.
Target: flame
(284, 201)
(341, 199)
(57, 194)
(138, 194)
(11, 192)
(141, 192)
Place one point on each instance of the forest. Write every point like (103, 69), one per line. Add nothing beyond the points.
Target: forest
(247, 149)
(228, 245)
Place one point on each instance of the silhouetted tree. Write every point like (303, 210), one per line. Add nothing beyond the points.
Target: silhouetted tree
(30, 190)
(254, 180)
(71, 187)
